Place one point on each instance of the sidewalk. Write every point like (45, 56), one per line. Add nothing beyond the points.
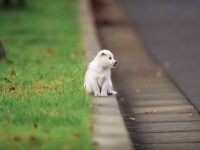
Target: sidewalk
(156, 113)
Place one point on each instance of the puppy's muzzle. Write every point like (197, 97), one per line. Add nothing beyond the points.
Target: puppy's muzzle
(115, 64)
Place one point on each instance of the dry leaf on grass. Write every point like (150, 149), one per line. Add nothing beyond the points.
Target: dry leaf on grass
(13, 73)
(35, 126)
(73, 55)
(7, 81)
(16, 139)
(77, 135)
(12, 89)
(32, 138)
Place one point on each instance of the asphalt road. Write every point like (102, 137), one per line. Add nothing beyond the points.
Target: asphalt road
(170, 32)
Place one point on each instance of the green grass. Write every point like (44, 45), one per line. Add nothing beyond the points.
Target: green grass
(42, 102)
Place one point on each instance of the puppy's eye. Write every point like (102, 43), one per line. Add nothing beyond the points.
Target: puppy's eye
(110, 58)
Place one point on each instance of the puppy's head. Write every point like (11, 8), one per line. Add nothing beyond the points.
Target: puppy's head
(107, 59)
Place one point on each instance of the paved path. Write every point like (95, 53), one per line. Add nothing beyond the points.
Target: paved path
(170, 30)
(156, 112)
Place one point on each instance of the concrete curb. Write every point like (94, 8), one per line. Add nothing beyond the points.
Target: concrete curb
(109, 129)
(90, 38)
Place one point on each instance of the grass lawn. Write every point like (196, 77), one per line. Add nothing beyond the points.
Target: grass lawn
(42, 102)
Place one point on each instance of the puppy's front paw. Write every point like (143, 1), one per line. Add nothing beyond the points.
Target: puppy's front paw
(104, 94)
(97, 94)
(112, 93)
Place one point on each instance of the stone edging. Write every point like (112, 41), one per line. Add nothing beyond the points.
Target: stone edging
(109, 129)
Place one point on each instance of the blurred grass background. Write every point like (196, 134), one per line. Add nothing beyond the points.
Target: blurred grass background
(42, 102)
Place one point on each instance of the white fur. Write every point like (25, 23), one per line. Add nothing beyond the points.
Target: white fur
(98, 75)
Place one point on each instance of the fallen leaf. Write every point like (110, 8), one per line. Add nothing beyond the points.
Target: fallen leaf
(12, 89)
(137, 91)
(158, 74)
(190, 114)
(35, 125)
(94, 143)
(142, 74)
(49, 52)
(154, 111)
(32, 138)
(12, 72)
(7, 81)
(122, 99)
(77, 135)
(10, 62)
(16, 139)
(73, 55)
(132, 118)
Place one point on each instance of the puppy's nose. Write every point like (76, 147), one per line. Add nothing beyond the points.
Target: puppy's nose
(115, 63)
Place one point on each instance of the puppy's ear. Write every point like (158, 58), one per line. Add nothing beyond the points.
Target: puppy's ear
(103, 54)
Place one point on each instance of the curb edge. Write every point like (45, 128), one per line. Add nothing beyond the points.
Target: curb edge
(108, 124)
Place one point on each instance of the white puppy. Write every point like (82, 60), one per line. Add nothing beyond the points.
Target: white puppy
(98, 75)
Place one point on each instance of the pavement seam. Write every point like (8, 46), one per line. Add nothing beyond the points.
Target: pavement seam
(108, 125)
